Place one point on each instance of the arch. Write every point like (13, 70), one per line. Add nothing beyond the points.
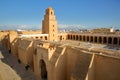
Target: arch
(95, 39)
(76, 37)
(73, 37)
(105, 40)
(119, 41)
(100, 39)
(83, 38)
(68, 37)
(87, 38)
(115, 40)
(91, 39)
(109, 40)
(43, 70)
(80, 37)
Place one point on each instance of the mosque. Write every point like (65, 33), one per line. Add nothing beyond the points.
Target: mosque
(55, 55)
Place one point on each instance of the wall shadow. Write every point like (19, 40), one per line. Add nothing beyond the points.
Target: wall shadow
(12, 62)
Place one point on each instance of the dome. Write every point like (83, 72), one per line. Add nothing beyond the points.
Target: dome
(49, 8)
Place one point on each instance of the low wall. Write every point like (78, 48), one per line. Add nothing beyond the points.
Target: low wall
(107, 68)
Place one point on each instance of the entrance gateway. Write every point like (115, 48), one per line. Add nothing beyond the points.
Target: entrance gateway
(43, 70)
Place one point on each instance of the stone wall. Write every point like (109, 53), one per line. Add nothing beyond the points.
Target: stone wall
(3, 34)
(69, 63)
(25, 52)
(106, 68)
(14, 47)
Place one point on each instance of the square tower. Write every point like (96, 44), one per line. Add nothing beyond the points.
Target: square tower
(49, 25)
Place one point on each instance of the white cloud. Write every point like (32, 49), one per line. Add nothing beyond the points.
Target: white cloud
(71, 27)
(14, 27)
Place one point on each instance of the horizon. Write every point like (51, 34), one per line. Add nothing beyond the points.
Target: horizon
(81, 14)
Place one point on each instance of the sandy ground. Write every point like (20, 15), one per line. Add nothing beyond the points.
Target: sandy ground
(10, 69)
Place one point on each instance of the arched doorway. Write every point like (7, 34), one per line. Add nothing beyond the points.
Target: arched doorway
(73, 37)
(100, 39)
(115, 40)
(83, 38)
(76, 37)
(43, 70)
(80, 38)
(91, 39)
(87, 38)
(95, 39)
(105, 40)
(68, 37)
(119, 41)
(110, 40)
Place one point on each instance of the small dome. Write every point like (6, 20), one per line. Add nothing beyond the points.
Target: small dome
(49, 11)
(49, 8)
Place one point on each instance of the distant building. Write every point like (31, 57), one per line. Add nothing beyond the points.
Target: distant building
(103, 30)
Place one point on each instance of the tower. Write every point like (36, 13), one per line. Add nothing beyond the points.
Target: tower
(49, 25)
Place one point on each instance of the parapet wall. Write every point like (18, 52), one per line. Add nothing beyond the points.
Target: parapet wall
(106, 68)
(2, 35)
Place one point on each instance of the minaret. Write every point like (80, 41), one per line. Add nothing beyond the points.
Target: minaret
(49, 25)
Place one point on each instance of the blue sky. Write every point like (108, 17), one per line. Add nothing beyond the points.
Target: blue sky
(87, 13)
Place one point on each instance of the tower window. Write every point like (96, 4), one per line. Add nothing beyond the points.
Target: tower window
(51, 13)
(53, 25)
(53, 35)
(53, 29)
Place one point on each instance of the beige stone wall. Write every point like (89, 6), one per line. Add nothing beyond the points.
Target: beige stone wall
(14, 47)
(30, 32)
(78, 63)
(58, 59)
(71, 61)
(9, 39)
(62, 36)
(106, 68)
(41, 54)
(101, 30)
(12, 35)
(68, 63)
(3, 34)
(91, 71)
(103, 67)
(26, 51)
(5, 42)
(55, 60)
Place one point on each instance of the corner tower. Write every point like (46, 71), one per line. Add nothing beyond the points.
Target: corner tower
(49, 25)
